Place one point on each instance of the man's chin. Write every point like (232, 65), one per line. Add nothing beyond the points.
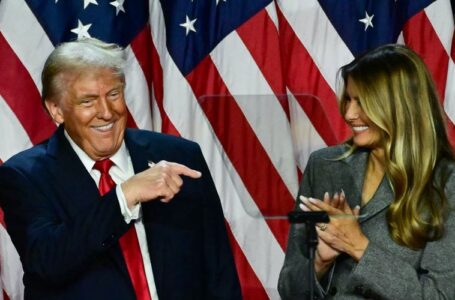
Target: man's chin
(98, 153)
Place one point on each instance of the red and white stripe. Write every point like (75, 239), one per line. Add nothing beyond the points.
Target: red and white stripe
(256, 140)
(10, 273)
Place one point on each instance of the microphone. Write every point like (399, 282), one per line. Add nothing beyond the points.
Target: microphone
(297, 217)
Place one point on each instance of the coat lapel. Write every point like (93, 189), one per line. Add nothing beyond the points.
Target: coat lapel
(356, 163)
(380, 201)
(75, 187)
(142, 153)
(352, 176)
(139, 153)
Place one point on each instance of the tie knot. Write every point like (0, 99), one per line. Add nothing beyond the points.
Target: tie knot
(103, 165)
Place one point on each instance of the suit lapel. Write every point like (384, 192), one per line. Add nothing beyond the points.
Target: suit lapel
(355, 167)
(380, 201)
(382, 198)
(142, 153)
(76, 188)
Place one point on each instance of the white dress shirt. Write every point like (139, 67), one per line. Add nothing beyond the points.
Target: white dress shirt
(120, 172)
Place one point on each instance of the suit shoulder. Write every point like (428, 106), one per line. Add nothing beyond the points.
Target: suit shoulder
(27, 157)
(147, 138)
(329, 153)
(445, 175)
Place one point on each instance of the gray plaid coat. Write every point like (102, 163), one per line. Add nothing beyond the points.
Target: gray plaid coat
(387, 270)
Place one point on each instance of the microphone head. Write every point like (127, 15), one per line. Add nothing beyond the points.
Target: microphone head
(308, 217)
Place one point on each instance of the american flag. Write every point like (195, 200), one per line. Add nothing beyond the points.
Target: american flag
(253, 82)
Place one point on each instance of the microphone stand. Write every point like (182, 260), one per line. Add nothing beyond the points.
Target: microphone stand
(311, 238)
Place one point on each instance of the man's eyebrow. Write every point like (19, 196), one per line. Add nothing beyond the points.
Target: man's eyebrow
(118, 86)
(87, 95)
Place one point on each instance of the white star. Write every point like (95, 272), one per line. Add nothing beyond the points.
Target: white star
(56, 1)
(368, 21)
(218, 1)
(118, 4)
(81, 30)
(188, 25)
(87, 2)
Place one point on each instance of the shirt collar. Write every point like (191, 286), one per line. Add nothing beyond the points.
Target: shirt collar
(120, 158)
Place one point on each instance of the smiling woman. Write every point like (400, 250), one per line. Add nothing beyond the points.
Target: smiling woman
(399, 99)
(389, 190)
(365, 132)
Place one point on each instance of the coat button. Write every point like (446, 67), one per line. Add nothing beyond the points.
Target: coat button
(368, 294)
(365, 292)
(359, 289)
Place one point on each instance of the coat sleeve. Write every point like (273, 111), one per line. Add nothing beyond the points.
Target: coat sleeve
(52, 247)
(381, 273)
(294, 280)
(220, 270)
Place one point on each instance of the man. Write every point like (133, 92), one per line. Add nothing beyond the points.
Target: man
(103, 212)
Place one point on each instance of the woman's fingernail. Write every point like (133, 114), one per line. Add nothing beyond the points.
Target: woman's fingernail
(326, 195)
(342, 193)
(303, 207)
(303, 198)
(336, 195)
(313, 200)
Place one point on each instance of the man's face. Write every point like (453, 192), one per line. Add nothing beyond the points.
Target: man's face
(93, 109)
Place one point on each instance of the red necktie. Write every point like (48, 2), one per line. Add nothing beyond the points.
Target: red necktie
(128, 242)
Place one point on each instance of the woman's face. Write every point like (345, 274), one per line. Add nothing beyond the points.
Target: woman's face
(365, 133)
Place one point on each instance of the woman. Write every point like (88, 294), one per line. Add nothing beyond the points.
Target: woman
(389, 191)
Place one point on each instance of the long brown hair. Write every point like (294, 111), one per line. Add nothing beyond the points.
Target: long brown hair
(397, 93)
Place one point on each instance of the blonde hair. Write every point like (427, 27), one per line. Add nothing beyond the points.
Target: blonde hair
(75, 56)
(397, 93)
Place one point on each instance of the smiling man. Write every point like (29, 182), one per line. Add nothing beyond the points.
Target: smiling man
(100, 211)
(92, 108)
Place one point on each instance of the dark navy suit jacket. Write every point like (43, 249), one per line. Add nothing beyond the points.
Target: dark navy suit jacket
(67, 235)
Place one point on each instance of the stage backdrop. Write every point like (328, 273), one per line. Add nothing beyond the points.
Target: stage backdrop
(218, 72)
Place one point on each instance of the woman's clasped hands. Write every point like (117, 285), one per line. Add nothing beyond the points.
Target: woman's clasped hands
(341, 234)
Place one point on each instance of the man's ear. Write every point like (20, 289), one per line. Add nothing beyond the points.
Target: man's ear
(55, 111)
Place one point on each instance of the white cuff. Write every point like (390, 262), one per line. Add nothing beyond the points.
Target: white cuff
(127, 214)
